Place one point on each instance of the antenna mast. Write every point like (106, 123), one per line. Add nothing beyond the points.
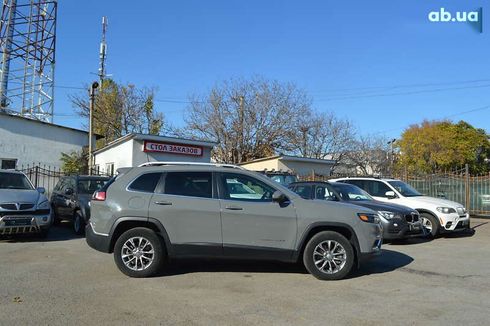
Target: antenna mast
(103, 51)
(27, 42)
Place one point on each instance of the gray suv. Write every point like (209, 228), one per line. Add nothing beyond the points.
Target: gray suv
(159, 210)
(23, 209)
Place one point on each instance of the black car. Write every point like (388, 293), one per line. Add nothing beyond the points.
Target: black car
(71, 197)
(399, 222)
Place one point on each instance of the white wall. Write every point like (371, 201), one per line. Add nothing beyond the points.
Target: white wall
(35, 142)
(121, 155)
(272, 164)
(306, 168)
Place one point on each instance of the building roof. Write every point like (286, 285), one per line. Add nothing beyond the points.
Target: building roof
(8, 115)
(291, 159)
(156, 138)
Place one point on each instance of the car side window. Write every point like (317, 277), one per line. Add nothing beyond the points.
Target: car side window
(243, 187)
(191, 184)
(377, 188)
(146, 182)
(304, 191)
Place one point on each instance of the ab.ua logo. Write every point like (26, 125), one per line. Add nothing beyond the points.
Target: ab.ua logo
(474, 18)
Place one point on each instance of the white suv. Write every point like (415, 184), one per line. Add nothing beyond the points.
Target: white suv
(437, 214)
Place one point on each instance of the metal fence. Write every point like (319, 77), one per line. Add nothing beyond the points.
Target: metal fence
(460, 186)
(45, 176)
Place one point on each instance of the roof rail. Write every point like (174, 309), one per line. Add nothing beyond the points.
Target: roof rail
(220, 165)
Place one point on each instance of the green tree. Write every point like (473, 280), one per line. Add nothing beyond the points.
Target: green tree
(120, 110)
(74, 162)
(435, 146)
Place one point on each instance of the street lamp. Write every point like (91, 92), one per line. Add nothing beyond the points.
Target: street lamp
(91, 125)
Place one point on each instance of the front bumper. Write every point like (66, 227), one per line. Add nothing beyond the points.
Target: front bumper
(398, 229)
(25, 223)
(454, 222)
(97, 241)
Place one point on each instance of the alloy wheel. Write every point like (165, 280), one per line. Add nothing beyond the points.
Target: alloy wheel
(137, 253)
(329, 256)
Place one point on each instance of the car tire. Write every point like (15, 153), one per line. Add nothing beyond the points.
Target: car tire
(139, 258)
(431, 224)
(78, 223)
(328, 255)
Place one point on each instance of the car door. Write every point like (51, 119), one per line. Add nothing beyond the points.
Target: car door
(187, 206)
(253, 225)
(64, 199)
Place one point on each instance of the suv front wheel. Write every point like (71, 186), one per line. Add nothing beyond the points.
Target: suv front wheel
(139, 252)
(328, 256)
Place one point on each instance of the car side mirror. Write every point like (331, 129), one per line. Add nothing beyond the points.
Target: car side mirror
(390, 194)
(68, 191)
(279, 197)
(41, 190)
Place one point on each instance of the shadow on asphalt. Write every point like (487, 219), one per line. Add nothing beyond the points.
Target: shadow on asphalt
(388, 261)
(462, 234)
(62, 232)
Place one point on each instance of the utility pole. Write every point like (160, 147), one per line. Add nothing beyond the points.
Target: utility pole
(392, 152)
(91, 126)
(103, 51)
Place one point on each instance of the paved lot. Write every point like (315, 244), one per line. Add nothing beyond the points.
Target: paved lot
(62, 281)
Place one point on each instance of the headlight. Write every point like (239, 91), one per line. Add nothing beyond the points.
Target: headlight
(446, 210)
(387, 215)
(43, 205)
(368, 218)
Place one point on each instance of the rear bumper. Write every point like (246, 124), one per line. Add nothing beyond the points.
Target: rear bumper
(97, 241)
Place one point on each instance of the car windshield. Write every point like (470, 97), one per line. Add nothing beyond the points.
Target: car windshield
(349, 192)
(14, 181)
(283, 179)
(90, 186)
(404, 189)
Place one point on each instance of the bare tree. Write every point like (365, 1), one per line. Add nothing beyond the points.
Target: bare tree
(121, 109)
(323, 135)
(370, 155)
(248, 119)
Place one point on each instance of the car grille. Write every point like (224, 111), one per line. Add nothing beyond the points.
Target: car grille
(16, 207)
(412, 217)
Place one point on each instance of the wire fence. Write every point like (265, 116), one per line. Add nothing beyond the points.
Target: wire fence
(460, 186)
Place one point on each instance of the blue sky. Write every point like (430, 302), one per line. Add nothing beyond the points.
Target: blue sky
(381, 64)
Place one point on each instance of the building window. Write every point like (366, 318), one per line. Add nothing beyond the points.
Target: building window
(109, 169)
(8, 163)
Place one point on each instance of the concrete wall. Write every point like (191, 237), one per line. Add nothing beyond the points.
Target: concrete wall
(31, 141)
(306, 168)
(121, 155)
(272, 164)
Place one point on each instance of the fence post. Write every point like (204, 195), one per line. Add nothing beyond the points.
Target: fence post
(36, 176)
(467, 186)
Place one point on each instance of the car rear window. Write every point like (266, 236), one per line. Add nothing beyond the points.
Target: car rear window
(146, 182)
(192, 184)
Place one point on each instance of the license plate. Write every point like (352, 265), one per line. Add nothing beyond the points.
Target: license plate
(18, 222)
(414, 227)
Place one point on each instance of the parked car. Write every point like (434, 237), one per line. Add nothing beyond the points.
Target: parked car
(70, 199)
(399, 222)
(23, 209)
(282, 177)
(166, 210)
(438, 215)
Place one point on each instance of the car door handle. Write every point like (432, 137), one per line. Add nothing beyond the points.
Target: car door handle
(163, 203)
(234, 208)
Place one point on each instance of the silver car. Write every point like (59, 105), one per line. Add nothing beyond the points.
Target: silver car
(23, 209)
(168, 210)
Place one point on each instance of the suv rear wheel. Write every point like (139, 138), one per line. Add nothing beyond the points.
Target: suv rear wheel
(139, 252)
(328, 256)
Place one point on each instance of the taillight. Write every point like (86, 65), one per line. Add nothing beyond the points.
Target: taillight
(99, 195)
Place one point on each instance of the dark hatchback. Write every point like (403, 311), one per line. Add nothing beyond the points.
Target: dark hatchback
(70, 199)
(399, 222)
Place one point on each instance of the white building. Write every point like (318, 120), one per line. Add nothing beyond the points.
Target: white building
(301, 166)
(135, 149)
(24, 141)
